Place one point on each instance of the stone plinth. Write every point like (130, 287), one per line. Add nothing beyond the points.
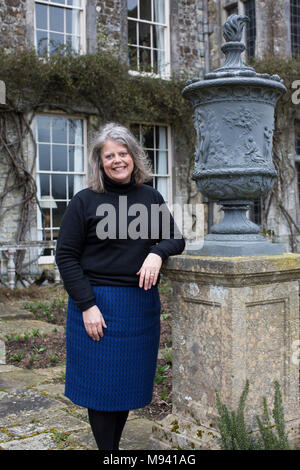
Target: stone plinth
(233, 319)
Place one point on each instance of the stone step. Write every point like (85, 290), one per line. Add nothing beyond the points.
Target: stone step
(20, 327)
(14, 310)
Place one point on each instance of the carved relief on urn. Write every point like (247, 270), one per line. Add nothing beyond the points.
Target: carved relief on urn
(234, 119)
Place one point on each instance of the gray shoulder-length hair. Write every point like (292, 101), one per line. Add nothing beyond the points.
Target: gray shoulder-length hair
(142, 165)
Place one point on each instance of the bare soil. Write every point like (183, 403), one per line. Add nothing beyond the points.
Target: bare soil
(38, 351)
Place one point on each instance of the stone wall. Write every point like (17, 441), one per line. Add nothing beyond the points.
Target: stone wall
(12, 23)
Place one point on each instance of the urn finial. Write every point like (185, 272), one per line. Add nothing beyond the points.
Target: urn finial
(233, 27)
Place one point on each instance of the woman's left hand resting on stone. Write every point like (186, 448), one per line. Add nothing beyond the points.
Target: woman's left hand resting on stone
(149, 271)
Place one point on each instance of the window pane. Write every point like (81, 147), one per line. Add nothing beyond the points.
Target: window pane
(62, 2)
(59, 158)
(161, 137)
(44, 185)
(145, 59)
(145, 10)
(147, 136)
(75, 131)
(72, 21)
(158, 37)
(44, 157)
(46, 218)
(132, 37)
(76, 159)
(42, 42)
(59, 130)
(58, 213)
(132, 57)
(71, 186)
(159, 11)
(59, 186)
(132, 8)
(74, 3)
(57, 19)
(43, 128)
(161, 162)
(162, 186)
(150, 154)
(41, 16)
(144, 34)
(56, 41)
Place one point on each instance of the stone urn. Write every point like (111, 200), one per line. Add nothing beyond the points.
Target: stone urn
(234, 121)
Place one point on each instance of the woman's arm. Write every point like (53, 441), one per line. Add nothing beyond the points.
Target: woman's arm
(170, 243)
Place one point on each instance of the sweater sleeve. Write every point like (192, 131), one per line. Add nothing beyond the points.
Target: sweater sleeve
(70, 244)
(171, 241)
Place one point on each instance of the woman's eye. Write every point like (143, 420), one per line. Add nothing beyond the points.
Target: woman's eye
(123, 154)
(108, 156)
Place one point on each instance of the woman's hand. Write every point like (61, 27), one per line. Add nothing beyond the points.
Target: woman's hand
(149, 271)
(93, 322)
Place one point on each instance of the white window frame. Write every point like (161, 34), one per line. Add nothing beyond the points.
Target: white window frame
(82, 23)
(84, 173)
(167, 47)
(169, 155)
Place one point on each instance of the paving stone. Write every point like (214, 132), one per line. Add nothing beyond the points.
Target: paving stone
(84, 439)
(19, 378)
(26, 400)
(136, 434)
(39, 442)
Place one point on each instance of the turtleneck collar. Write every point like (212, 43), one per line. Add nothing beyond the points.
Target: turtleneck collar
(121, 188)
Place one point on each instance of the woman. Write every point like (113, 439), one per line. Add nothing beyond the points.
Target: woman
(111, 276)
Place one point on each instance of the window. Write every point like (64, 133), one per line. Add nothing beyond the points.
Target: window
(155, 140)
(148, 36)
(232, 9)
(59, 25)
(251, 28)
(60, 169)
(295, 26)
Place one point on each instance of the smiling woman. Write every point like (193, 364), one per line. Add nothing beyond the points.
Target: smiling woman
(116, 161)
(113, 321)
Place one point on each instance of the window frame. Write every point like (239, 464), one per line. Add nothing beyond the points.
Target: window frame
(169, 155)
(82, 23)
(40, 230)
(249, 57)
(167, 44)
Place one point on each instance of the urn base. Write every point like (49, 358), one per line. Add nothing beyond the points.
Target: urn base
(236, 245)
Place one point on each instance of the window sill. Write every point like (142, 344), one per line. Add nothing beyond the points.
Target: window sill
(135, 73)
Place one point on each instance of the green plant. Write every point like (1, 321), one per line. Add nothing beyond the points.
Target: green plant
(167, 353)
(234, 432)
(53, 358)
(35, 333)
(17, 357)
(38, 350)
(159, 377)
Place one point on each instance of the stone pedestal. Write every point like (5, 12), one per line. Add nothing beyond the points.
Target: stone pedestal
(233, 319)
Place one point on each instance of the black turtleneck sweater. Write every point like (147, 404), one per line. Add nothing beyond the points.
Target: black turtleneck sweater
(85, 257)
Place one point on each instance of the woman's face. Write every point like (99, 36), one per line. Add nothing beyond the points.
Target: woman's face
(117, 162)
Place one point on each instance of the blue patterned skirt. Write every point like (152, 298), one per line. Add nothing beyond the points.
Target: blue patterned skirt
(117, 372)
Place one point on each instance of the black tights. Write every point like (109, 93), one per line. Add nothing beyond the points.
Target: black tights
(107, 427)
